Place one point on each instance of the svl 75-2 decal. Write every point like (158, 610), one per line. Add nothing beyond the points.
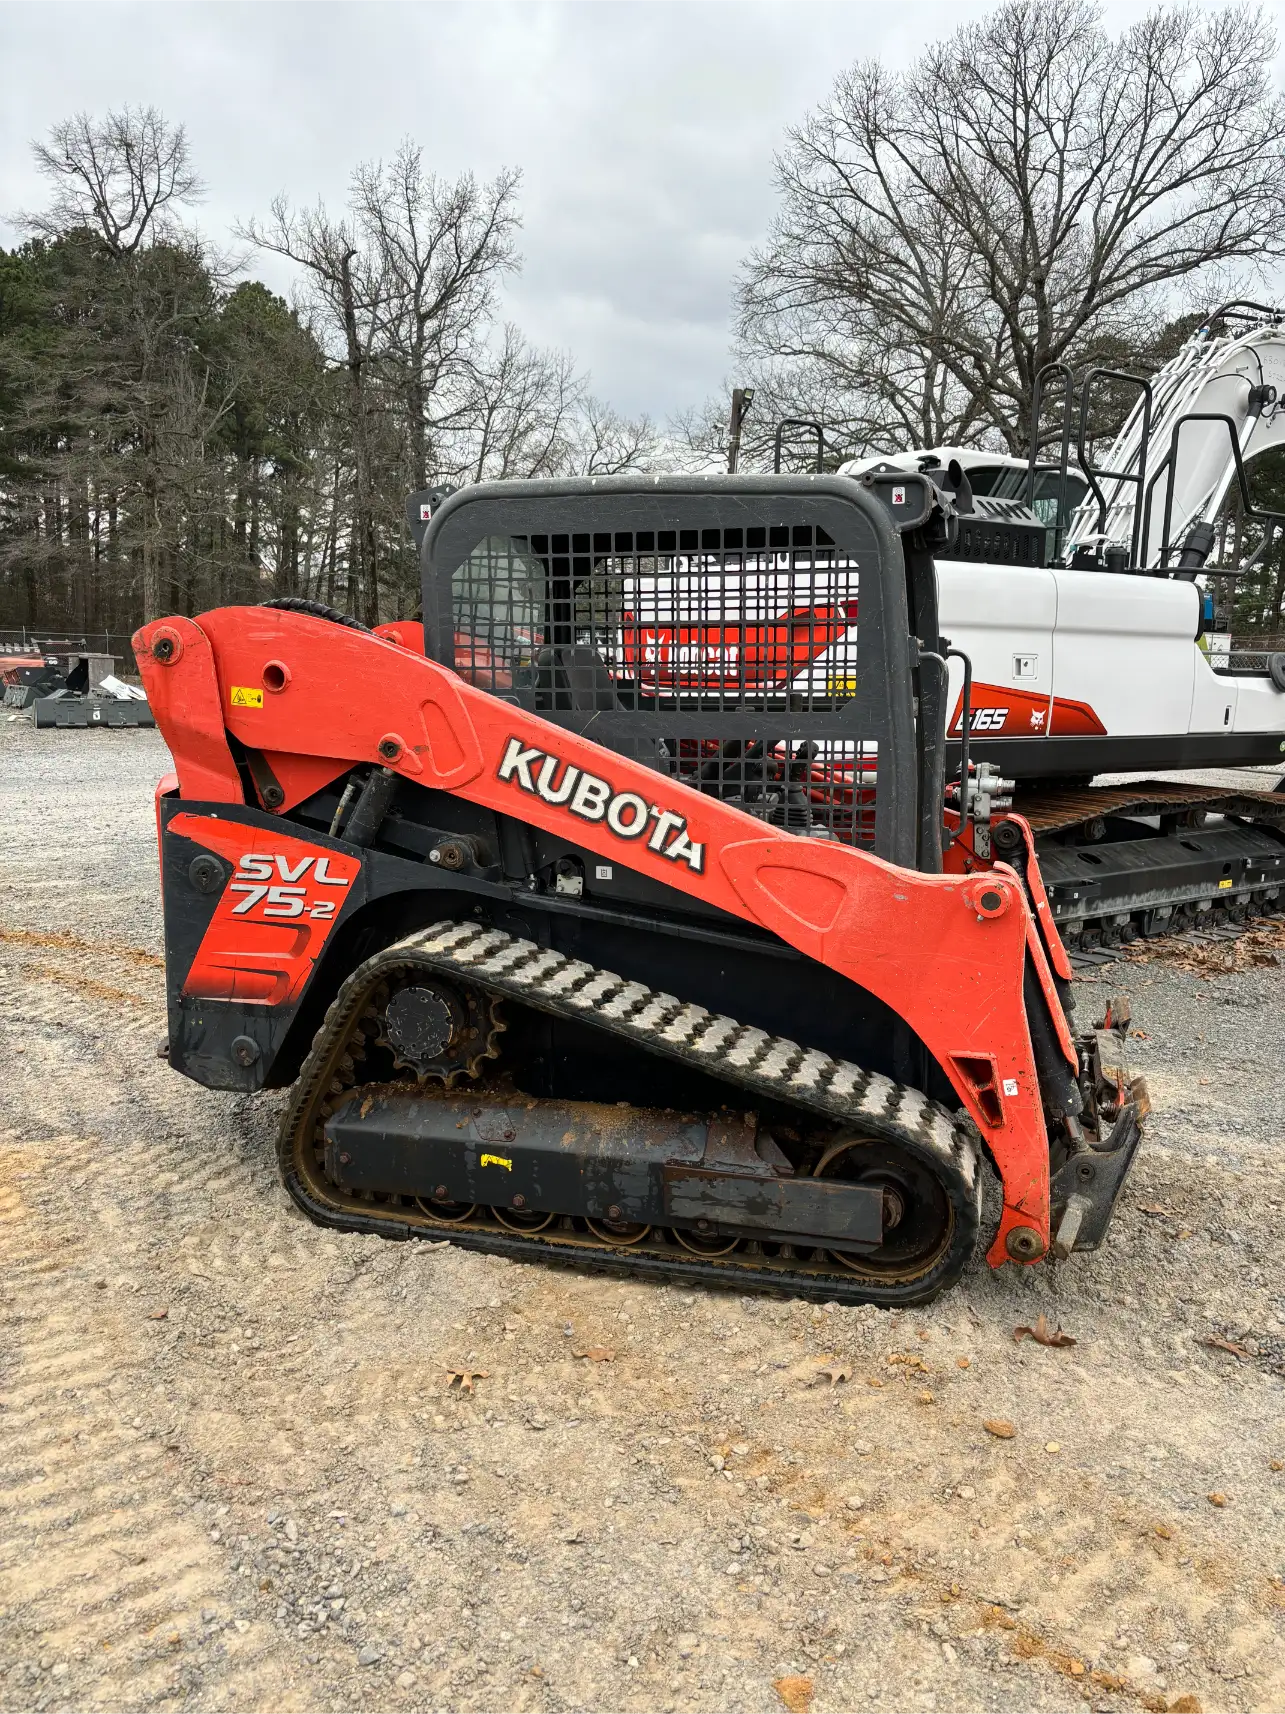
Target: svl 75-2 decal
(287, 898)
(272, 918)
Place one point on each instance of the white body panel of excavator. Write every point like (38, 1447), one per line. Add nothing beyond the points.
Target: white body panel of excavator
(1109, 654)
(1124, 648)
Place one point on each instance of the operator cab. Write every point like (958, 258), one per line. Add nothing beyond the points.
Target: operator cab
(1000, 526)
(992, 474)
(707, 627)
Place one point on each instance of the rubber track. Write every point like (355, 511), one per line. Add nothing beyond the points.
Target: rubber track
(511, 967)
(1050, 810)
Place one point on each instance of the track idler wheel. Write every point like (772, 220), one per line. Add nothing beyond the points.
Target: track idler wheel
(523, 1219)
(619, 1233)
(704, 1243)
(449, 1213)
(918, 1215)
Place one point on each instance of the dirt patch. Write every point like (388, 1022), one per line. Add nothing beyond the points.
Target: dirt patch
(235, 1477)
(73, 943)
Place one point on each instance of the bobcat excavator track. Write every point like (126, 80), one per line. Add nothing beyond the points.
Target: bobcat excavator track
(1144, 860)
(923, 1159)
(1055, 809)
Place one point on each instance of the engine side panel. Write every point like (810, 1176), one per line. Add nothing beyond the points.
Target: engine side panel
(1002, 617)
(1125, 646)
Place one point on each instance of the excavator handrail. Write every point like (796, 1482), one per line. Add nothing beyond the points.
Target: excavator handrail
(1091, 472)
(1170, 463)
(1037, 400)
(798, 423)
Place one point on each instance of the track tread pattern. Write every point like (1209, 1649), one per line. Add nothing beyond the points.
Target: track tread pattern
(511, 967)
(661, 1023)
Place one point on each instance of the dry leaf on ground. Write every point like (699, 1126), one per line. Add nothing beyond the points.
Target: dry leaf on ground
(1154, 1208)
(1255, 948)
(466, 1378)
(1001, 1429)
(795, 1691)
(836, 1371)
(596, 1354)
(1217, 1343)
(1042, 1333)
(158, 1315)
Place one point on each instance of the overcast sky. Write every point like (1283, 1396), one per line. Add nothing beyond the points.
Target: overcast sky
(645, 133)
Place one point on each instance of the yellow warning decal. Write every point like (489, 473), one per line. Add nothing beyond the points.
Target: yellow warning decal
(497, 1160)
(1222, 884)
(245, 696)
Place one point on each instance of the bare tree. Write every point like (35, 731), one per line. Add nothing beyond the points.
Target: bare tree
(347, 284)
(404, 284)
(604, 443)
(442, 247)
(521, 412)
(122, 176)
(529, 413)
(1031, 190)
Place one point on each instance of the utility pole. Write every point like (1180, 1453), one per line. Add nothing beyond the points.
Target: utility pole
(742, 399)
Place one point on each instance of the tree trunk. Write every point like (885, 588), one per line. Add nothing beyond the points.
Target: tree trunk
(151, 551)
(415, 408)
(332, 541)
(363, 572)
(1278, 592)
(255, 509)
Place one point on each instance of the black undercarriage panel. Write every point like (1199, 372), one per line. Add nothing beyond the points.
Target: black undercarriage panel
(1138, 877)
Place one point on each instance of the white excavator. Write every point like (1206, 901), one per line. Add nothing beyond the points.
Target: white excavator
(1081, 597)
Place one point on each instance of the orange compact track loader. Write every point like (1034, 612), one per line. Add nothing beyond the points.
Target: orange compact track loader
(617, 914)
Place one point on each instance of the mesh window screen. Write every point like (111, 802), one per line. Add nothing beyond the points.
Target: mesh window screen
(727, 655)
(684, 621)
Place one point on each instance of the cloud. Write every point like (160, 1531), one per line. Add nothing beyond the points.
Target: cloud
(645, 133)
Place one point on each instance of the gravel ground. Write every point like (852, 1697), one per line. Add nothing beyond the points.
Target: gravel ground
(233, 1476)
(1256, 779)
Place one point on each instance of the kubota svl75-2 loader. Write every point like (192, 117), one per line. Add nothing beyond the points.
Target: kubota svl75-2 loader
(617, 914)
